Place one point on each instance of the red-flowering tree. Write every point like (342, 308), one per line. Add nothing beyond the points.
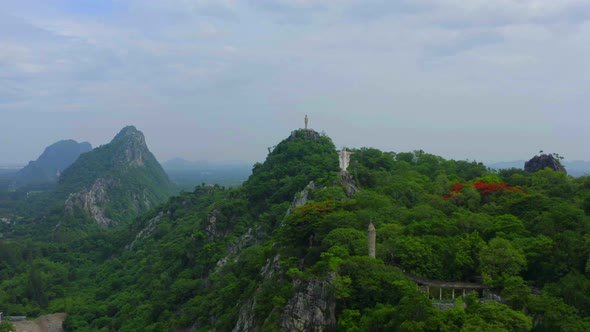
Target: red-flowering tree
(484, 188)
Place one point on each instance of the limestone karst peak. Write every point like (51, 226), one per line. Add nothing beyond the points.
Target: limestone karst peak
(129, 132)
(131, 147)
(116, 181)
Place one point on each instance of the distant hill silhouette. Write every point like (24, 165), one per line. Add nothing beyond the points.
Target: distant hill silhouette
(574, 168)
(52, 162)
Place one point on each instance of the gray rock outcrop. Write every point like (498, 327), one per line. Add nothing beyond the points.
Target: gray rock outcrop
(348, 184)
(92, 201)
(247, 318)
(302, 198)
(311, 309)
(543, 161)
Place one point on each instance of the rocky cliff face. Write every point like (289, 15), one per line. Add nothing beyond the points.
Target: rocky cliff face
(302, 198)
(543, 161)
(147, 230)
(311, 309)
(92, 201)
(211, 226)
(247, 317)
(348, 184)
(133, 150)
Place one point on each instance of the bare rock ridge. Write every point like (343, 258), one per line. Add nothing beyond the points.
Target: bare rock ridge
(311, 309)
(543, 161)
(348, 184)
(133, 149)
(91, 200)
(116, 181)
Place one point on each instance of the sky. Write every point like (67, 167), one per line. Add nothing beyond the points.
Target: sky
(226, 79)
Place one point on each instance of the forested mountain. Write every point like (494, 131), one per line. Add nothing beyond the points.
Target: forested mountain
(52, 162)
(115, 182)
(288, 250)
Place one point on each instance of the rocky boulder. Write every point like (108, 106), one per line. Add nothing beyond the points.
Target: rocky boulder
(543, 161)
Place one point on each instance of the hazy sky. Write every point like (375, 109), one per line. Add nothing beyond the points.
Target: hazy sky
(225, 79)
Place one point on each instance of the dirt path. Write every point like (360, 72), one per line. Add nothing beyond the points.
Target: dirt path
(47, 323)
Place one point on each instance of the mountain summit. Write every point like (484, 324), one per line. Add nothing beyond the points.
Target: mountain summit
(115, 182)
(304, 156)
(133, 147)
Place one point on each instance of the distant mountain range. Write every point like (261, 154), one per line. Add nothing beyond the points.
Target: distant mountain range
(573, 168)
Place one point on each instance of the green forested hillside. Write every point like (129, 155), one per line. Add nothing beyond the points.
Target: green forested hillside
(284, 253)
(121, 180)
(127, 153)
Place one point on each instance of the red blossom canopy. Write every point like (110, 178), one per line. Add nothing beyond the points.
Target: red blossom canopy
(484, 188)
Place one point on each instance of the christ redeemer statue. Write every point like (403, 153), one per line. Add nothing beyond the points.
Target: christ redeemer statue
(344, 159)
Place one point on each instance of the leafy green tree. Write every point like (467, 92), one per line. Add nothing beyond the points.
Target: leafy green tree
(348, 321)
(516, 292)
(467, 248)
(507, 225)
(7, 326)
(493, 316)
(373, 282)
(574, 289)
(452, 319)
(354, 241)
(552, 183)
(500, 259)
(417, 256)
(538, 252)
(552, 314)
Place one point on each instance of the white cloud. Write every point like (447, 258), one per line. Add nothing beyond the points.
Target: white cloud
(436, 66)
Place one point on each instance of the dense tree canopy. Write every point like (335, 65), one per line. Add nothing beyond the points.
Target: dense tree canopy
(210, 257)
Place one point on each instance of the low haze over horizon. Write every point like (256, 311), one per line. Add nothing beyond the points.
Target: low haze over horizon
(225, 79)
